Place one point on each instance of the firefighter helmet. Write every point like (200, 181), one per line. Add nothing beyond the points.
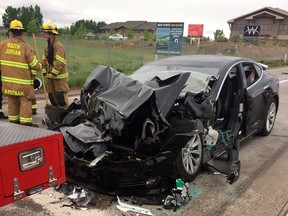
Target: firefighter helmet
(50, 27)
(16, 25)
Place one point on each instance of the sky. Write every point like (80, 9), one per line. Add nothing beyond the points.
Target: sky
(213, 14)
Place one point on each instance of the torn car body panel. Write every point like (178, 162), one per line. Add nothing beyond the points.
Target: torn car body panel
(125, 94)
(137, 128)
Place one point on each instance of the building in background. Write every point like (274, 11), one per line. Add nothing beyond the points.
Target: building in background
(273, 23)
(3, 30)
(89, 35)
(138, 27)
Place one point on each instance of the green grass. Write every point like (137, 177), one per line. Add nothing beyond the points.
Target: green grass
(274, 63)
(125, 56)
(84, 55)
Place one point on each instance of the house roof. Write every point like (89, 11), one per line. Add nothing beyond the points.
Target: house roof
(276, 12)
(133, 24)
(89, 34)
(127, 25)
(112, 25)
(147, 25)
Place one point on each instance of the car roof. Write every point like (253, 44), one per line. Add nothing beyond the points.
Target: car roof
(210, 64)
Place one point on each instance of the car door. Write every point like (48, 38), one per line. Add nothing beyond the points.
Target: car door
(254, 99)
(229, 111)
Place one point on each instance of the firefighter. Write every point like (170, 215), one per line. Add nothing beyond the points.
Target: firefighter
(55, 68)
(36, 86)
(18, 65)
(34, 107)
(2, 115)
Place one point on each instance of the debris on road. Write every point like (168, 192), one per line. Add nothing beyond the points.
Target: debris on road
(79, 197)
(127, 207)
(180, 196)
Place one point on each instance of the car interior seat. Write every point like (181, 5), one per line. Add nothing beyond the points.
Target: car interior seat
(225, 100)
(249, 73)
(225, 97)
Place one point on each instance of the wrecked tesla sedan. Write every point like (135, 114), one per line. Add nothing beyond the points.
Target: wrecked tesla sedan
(130, 134)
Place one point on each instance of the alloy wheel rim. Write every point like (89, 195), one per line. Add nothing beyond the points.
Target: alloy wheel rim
(271, 117)
(192, 154)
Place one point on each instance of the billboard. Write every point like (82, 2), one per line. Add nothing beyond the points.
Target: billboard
(251, 32)
(195, 30)
(169, 38)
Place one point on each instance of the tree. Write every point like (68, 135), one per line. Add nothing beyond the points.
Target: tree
(219, 36)
(64, 31)
(90, 25)
(130, 33)
(112, 31)
(24, 14)
(33, 26)
(38, 15)
(100, 25)
(235, 38)
(74, 27)
(80, 31)
(147, 34)
(9, 15)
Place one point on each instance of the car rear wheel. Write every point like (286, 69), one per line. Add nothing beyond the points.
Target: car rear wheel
(269, 118)
(189, 159)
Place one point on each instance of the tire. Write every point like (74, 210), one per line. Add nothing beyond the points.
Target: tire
(189, 159)
(269, 118)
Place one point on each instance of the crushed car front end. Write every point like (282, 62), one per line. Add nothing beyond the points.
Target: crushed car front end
(131, 135)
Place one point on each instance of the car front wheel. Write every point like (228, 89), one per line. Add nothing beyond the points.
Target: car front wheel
(269, 118)
(189, 159)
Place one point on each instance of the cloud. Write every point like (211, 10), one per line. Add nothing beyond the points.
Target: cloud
(213, 14)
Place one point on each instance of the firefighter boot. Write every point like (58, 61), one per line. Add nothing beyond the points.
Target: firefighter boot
(3, 116)
(34, 111)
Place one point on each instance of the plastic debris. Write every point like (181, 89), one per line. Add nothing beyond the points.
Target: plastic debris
(127, 207)
(180, 196)
(78, 196)
(81, 197)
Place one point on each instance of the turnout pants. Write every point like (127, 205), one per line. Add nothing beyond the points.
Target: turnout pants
(19, 110)
(59, 99)
(1, 95)
(34, 104)
(57, 91)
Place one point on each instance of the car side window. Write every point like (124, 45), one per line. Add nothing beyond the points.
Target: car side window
(251, 73)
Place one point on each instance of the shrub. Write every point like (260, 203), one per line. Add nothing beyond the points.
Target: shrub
(235, 38)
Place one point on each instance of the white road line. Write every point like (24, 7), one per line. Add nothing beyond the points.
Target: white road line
(283, 81)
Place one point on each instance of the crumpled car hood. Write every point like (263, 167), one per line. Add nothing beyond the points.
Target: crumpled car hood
(112, 96)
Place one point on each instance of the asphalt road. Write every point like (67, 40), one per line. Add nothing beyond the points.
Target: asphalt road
(262, 188)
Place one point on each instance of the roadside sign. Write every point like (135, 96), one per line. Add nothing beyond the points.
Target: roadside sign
(169, 38)
(195, 30)
(251, 32)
